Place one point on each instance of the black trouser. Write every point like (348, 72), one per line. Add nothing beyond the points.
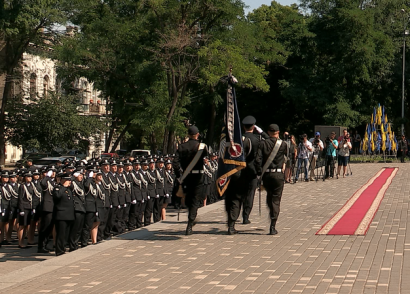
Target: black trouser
(132, 220)
(147, 212)
(194, 199)
(156, 210)
(119, 220)
(402, 155)
(330, 166)
(126, 216)
(112, 212)
(273, 183)
(46, 227)
(77, 231)
(248, 198)
(139, 213)
(103, 225)
(63, 228)
(233, 202)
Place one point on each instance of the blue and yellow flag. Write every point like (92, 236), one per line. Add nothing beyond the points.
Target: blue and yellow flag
(231, 155)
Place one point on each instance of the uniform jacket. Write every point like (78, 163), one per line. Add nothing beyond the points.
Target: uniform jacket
(63, 203)
(264, 150)
(26, 194)
(48, 184)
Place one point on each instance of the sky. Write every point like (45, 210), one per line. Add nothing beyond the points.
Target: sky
(256, 3)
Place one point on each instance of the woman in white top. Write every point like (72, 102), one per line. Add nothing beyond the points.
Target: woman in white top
(343, 155)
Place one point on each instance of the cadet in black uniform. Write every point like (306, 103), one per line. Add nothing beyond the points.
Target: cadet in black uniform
(26, 194)
(122, 205)
(37, 202)
(193, 184)
(14, 192)
(148, 189)
(78, 189)
(95, 204)
(105, 181)
(169, 187)
(5, 198)
(47, 222)
(160, 190)
(64, 214)
(249, 179)
(129, 195)
(136, 208)
(274, 177)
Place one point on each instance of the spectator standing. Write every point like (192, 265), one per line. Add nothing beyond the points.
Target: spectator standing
(315, 155)
(303, 156)
(402, 146)
(344, 152)
(331, 146)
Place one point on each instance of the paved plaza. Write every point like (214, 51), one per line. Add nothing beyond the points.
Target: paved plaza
(161, 259)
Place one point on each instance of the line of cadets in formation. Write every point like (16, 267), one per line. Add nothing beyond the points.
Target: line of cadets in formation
(95, 199)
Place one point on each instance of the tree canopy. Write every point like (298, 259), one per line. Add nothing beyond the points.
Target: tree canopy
(160, 63)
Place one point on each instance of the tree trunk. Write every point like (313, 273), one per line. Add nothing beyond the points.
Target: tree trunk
(120, 136)
(171, 142)
(110, 136)
(153, 143)
(6, 93)
(211, 128)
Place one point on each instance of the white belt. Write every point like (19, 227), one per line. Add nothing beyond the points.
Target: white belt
(197, 172)
(278, 170)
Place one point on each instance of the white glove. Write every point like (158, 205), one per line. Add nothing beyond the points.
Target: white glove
(22, 213)
(157, 196)
(148, 197)
(34, 211)
(258, 129)
(76, 174)
(119, 206)
(125, 205)
(91, 174)
(49, 173)
(96, 213)
(110, 206)
(167, 195)
(142, 201)
(134, 202)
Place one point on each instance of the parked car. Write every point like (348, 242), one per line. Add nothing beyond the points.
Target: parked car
(140, 152)
(78, 154)
(109, 155)
(33, 156)
(47, 161)
(121, 152)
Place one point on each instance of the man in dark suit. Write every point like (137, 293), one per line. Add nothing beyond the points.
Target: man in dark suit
(248, 176)
(64, 213)
(274, 176)
(193, 184)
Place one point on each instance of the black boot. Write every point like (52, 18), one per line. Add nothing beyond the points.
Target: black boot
(272, 230)
(189, 229)
(231, 228)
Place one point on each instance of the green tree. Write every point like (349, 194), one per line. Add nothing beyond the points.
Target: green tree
(52, 122)
(23, 22)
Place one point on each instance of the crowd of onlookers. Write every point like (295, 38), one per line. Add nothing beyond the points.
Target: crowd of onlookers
(317, 158)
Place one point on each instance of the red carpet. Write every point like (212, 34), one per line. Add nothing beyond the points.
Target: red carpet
(355, 216)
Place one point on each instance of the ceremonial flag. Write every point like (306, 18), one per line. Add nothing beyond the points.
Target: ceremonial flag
(232, 158)
(370, 138)
(388, 143)
(374, 116)
(383, 116)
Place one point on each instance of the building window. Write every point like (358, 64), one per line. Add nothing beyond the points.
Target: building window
(33, 86)
(46, 81)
